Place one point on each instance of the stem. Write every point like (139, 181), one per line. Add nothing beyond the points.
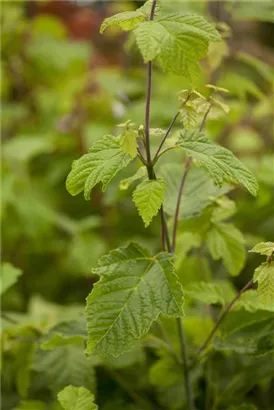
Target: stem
(179, 199)
(166, 135)
(222, 317)
(205, 118)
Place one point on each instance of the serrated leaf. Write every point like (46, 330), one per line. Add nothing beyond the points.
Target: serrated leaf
(76, 398)
(103, 161)
(148, 198)
(226, 242)
(205, 292)
(219, 161)
(251, 301)
(128, 142)
(263, 248)
(134, 288)
(177, 41)
(126, 20)
(9, 276)
(264, 275)
(189, 116)
(141, 173)
(65, 365)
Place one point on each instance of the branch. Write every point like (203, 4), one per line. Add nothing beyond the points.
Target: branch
(166, 135)
(221, 318)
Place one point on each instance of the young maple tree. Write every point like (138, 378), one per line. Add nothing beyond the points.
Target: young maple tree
(136, 286)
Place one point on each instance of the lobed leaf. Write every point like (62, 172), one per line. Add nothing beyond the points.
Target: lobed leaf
(134, 288)
(76, 398)
(264, 275)
(148, 198)
(103, 161)
(263, 248)
(219, 161)
(177, 41)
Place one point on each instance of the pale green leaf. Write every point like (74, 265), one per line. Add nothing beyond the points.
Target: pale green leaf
(264, 275)
(141, 173)
(177, 41)
(76, 398)
(126, 20)
(251, 301)
(148, 198)
(226, 242)
(65, 365)
(134, 288)
(189, 116)
(263, 248)
(128, 142)
(219, 161)
(103, 161)
(9, 276)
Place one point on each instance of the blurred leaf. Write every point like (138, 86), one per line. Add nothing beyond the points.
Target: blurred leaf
(9, 276)
(226, 242)
(76, 398)
(264, 275)
(65, 333)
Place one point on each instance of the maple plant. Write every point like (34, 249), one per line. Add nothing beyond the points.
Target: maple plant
(162, 321)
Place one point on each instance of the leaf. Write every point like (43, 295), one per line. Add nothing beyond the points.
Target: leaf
(209, 293)
(76, 398)
(148, 198)
(65, 333)
(188, 116)
(177, 41)
(264, 275)
(226, 242)
(103, 161)
(264, 248)
(199, 190)
(9, 276)
(251, 301)
(165, 372)
(141, 173)
(134, 288)
(219, 161)
(128, 142)
(65, 365)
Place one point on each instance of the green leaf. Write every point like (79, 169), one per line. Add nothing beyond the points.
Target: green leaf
(263, 248)
(189, 116)
(23, 360)
(219, 161)
(177, 41)
(205, 292)
(264, 275)
(251, 301)
(9, 276)
(226, 242)
(65, 365)
(76, 398)
(103, 161)
(148, 198)
(134, 288)
(199, 190)
(141, 173)
(165, 372)
(240, 319)
(128, 142)
(65, 333)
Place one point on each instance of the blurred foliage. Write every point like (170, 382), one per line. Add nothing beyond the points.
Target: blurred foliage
(59, 94)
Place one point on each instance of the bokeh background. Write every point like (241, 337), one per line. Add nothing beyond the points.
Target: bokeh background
(63, 86)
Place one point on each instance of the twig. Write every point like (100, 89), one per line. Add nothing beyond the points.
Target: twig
(166, 135)
(177, 211)
(190, 399)
(221, 318)
(205, 118)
